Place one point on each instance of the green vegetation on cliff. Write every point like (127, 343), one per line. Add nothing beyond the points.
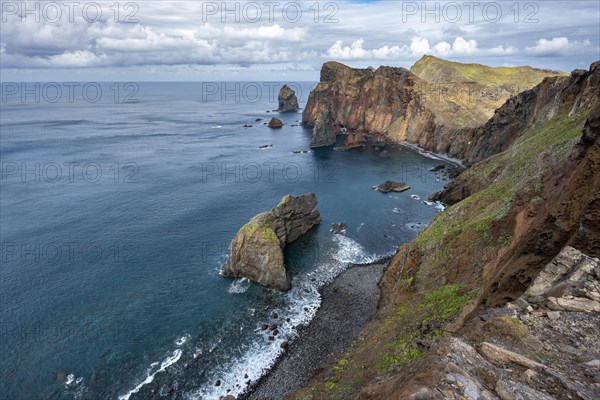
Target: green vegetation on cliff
(436, 70)
(432, 280)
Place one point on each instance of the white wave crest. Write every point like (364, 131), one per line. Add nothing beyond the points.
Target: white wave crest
(150, 374)
(239, 286)
(301, 305)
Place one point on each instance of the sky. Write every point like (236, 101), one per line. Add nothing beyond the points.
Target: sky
(283, 40)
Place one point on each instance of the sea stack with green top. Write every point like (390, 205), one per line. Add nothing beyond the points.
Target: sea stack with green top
(256, 251)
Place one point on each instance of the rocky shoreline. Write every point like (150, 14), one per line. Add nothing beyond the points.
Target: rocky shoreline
(349, 302)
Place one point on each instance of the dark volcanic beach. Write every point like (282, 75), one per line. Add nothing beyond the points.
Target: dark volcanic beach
(348, 304)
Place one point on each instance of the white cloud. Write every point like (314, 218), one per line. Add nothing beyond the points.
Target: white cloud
(76, 58)
(545, 47)
(418, 46)
(561, 46)
(170, 34)
(352, 52)
(462, 46)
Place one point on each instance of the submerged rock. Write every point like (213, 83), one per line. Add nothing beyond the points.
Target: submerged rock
(287, 100)
(384, 154)
(256, 252)
(339, 228)
(275, 123)
(391, 186)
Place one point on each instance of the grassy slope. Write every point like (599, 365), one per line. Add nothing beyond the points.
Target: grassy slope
(447, 260)
(434, 69)
(466, 95)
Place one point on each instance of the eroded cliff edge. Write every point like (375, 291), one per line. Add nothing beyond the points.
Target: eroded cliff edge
(438, 105)
(458, 317)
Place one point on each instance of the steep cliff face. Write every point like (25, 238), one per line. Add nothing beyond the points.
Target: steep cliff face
(523, 112)
(534, 107)
(441, 111)
(445, 327)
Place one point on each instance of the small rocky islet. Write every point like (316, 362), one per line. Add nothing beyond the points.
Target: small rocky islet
(256, 252)
(391, 186)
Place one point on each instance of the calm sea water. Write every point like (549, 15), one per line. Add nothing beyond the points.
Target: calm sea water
(116, 217)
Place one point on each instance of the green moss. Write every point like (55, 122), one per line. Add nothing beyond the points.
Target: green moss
(329, 386)
(340, 365)
(284, 200)
(434, 308)
(269, 234)
(266, 232)
(505, 240)
(445, 302)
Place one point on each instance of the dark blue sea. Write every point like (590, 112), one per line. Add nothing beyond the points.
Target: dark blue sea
(116, 213)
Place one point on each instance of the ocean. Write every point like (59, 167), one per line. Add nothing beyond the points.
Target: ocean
(117, 206)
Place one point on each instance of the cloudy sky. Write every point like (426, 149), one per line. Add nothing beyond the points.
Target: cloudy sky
(278, 40)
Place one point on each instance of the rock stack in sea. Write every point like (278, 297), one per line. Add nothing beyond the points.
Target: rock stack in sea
(287, 100)
(256, 252)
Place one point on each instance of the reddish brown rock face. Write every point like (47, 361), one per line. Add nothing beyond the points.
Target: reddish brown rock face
(395, 105)
(275, 123)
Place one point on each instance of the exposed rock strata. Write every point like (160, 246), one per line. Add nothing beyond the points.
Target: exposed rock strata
(256, 252)
(395, 105)
(540, 355)
(530, 329)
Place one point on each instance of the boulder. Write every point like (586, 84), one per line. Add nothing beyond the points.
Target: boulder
(256, 252)
(287, 100)
(391, 186)
(275, 123)
(384, 154)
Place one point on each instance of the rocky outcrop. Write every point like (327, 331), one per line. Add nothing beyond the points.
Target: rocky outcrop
(275, 123)
(324, 131)
(256, 252)
(287, 100)
(523, 350)
(447, 116)
(391, 186)
(570, 282)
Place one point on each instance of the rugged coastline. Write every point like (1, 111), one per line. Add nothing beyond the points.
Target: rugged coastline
(349, 302)
(527, 196)
(452, 299)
